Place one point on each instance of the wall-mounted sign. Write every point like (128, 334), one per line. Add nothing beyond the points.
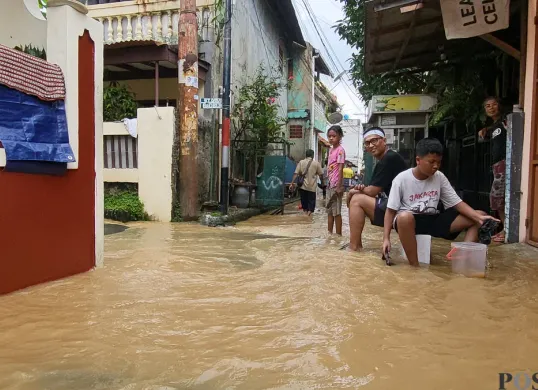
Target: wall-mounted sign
(388, 120)
(402, 103)
(211, 103)
(389, 135)
(471, 18)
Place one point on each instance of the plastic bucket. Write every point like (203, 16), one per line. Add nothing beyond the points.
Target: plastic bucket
(469, 259)
(424, 248)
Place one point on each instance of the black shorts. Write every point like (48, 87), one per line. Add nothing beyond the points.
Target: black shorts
(437, 225)
(379, 211)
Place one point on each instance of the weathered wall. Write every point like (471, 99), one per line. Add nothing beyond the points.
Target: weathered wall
(300, 91)
(19, 27)
(298, 147)
(203, 160)
(320, 118)
(155, 139)
(256, 39)
(205, 152)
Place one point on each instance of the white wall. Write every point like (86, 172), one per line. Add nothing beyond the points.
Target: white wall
(19, 27)
(155, 140)
(256, 43)
(154, 173)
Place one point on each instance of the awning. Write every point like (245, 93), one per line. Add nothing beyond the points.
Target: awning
(136, 60)
(322, 67)
(416, 39)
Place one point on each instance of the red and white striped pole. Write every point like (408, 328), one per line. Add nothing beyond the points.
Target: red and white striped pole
(226, 97)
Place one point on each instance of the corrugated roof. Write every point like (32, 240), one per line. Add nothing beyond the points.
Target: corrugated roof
(416, 39)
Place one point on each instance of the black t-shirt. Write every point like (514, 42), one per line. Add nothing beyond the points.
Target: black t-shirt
(386, 170)
(497, 133)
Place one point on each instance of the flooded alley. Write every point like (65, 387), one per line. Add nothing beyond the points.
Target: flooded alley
(271, 303)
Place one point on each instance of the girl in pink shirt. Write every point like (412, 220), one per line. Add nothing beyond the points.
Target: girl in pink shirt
(335, 172)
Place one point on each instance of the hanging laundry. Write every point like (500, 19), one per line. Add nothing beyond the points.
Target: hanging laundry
(132, 126)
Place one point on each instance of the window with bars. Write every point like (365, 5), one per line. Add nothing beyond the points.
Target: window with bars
(296, 131)
(120, 152)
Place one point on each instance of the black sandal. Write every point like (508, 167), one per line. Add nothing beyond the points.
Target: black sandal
(486, 231)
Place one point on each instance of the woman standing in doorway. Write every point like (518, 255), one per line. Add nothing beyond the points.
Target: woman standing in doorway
(497, 134)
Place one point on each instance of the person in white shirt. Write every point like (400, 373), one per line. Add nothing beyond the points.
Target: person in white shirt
(413, 204)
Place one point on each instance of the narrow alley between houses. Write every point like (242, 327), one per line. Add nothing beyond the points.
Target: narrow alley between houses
(272, 303)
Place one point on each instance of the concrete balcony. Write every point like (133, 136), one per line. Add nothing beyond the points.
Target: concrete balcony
(147, 20)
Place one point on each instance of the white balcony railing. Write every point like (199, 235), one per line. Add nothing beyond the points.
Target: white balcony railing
(130, 21)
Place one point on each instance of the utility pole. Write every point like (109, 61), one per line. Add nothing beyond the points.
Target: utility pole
(187, 108)
(225, 187)
(314, 142)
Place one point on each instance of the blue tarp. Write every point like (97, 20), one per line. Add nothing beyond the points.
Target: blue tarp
(32, 129)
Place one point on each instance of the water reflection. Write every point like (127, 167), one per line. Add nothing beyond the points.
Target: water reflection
(269, 304)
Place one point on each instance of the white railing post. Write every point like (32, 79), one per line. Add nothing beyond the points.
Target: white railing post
(138, 27)
(129, 28)
(119, 30)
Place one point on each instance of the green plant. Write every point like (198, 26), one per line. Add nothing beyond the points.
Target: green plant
(176, 212)
(460, 88)
(218, 20)
(33, 51)
(42, 6)
(124, 206)
(118, 103)
(353, 29)
(255, 115)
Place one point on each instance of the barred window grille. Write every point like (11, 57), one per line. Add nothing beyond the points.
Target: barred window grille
(120, 152)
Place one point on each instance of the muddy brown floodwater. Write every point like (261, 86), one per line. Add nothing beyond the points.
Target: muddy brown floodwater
(269, 304)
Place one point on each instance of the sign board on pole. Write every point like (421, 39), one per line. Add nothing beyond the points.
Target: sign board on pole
(389, 135)
(211, 103)
(468, 18)
(388, 120)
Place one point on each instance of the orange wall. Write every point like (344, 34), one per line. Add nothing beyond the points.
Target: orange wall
(47, 224)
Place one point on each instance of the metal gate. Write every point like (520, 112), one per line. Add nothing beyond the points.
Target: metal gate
(263, 168)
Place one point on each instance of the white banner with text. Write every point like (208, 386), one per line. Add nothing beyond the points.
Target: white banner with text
(471, 18)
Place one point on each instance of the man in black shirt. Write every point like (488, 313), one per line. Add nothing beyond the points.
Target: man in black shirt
(371, 201)
(497, 134)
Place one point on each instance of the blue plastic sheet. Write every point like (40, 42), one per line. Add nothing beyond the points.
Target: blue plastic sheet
(37, 167)
(32, 129)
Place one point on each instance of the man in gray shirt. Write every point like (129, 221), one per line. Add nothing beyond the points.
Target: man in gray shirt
(413, 201)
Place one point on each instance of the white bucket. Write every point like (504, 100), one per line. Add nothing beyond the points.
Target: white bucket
(424, 249)
(469, 259)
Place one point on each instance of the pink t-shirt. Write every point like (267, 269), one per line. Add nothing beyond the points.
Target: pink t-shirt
(336, 156)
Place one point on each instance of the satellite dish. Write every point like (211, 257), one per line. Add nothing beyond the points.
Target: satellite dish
(335, 118)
